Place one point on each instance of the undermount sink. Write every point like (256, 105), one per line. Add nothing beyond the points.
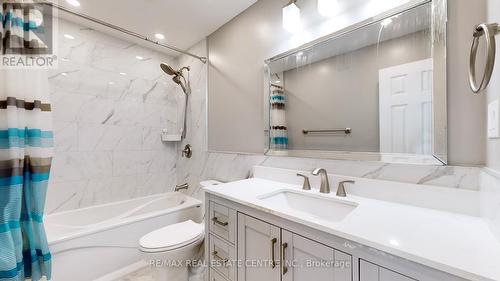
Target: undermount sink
(326, 208)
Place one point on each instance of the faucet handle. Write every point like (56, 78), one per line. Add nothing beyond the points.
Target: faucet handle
(341, 188)
(306, 185)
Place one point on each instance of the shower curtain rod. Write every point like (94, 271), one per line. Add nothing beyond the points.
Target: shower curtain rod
(126, 31)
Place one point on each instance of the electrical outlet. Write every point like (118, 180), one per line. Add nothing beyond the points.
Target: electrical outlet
(164, 134)
(494, 119)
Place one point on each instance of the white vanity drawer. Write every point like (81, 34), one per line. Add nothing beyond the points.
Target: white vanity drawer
(215, 276)
(223, 221)
(222, 257)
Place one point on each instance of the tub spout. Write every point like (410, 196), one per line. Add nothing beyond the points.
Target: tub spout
(181, 186)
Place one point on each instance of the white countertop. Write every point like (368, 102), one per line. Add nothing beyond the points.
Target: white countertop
(457, 244)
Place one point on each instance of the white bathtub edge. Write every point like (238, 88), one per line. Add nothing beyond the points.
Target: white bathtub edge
(189, 203)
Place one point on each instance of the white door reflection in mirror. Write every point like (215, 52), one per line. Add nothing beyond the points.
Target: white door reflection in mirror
(405, 108)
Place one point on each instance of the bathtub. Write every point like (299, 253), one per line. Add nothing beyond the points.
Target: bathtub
(89, 243)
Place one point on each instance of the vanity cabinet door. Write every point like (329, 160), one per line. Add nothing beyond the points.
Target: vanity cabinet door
(307, 260)
(372, 272)
(258, 250)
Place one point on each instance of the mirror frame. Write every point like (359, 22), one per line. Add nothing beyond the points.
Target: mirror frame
(439, 155)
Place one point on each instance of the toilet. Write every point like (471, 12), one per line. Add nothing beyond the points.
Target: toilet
(167, 249)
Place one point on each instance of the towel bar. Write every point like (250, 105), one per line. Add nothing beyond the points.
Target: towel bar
(346, 131)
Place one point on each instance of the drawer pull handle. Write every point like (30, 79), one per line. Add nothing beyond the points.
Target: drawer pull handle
(221, 259)
(273, 261)
(284, 269)
(217, 221)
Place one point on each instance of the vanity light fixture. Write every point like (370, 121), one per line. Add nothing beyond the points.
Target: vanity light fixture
(386, 22)
(291, 17)
(394, 242)
(159, 36)
(69, 36)
(74, 3)
(328, 8)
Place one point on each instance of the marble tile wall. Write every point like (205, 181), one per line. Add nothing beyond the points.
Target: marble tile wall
(231, 166)
(188, 170)
(109, 108)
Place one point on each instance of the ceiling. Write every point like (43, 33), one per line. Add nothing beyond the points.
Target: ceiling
(183, 22)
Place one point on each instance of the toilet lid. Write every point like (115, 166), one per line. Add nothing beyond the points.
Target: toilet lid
(172, 236)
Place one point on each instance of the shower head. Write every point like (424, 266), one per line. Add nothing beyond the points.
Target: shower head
(179, 79)
(168, 69)
(177, 76)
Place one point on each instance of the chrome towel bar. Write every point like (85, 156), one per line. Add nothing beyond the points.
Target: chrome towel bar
(489, 31)
(346, 131)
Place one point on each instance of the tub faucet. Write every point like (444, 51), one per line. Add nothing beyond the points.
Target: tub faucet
(325, 186)
(181, 186)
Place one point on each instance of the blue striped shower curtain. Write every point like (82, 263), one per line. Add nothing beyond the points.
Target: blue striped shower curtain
(26, 142)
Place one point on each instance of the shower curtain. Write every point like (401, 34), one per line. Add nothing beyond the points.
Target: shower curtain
(279, 135)
(26, 142)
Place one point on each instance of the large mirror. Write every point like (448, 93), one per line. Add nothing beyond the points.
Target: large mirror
(373, 91)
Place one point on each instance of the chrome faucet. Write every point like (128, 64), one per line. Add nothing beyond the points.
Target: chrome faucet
(341, 189)
(325, 185)
(181, 186)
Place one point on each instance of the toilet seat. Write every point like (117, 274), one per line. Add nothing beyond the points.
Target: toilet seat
(172, 237)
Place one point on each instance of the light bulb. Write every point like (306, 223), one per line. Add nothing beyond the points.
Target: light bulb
(291, 18)
(328, 8)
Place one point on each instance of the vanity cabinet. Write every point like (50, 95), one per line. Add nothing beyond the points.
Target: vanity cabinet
(267, 252)
(220, 242)
(247, 244)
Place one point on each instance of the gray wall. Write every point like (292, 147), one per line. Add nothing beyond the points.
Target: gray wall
(343, 92)
(493, 146)
(237, 52)
(236, 77)
(466, 112)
